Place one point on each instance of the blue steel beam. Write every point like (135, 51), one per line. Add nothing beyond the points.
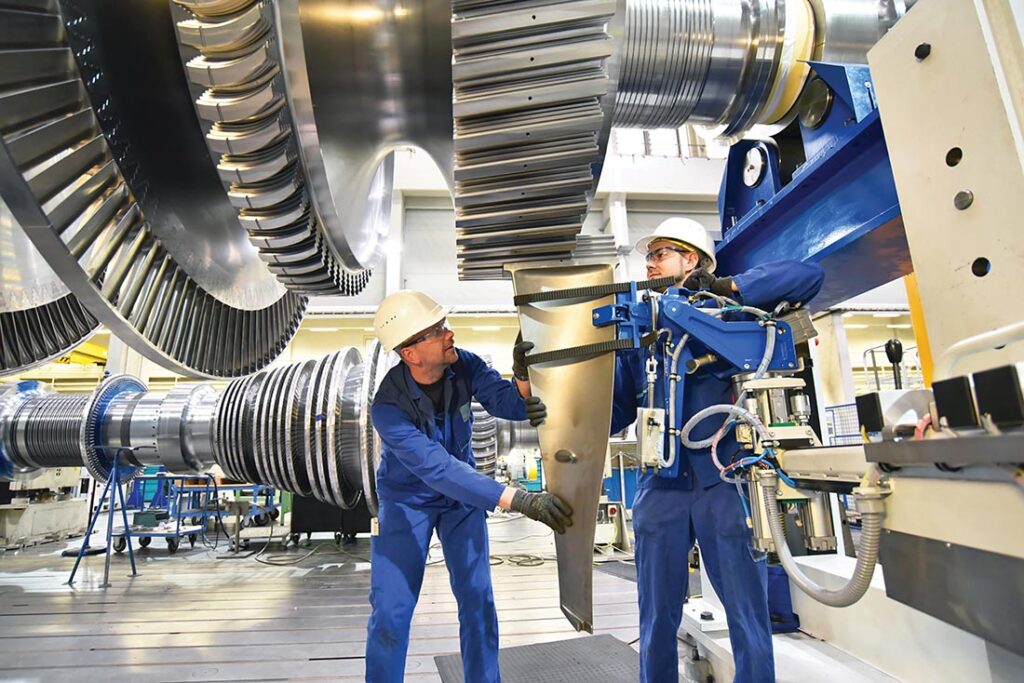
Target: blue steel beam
(840, 210)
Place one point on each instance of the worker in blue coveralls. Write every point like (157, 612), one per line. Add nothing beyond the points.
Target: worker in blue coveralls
(670, 513)
(427, 481)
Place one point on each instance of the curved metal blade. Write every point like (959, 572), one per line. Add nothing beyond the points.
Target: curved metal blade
(578, 395)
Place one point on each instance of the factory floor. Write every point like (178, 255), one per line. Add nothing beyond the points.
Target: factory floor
(204, 614)
(196, 615)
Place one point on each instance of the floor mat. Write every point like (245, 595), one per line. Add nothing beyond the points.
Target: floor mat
(623, 570)
(593, 659)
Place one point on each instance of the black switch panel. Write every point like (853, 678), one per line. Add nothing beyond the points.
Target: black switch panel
(954, 401)
(999, 395)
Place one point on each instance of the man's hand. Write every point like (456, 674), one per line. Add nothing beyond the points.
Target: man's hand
(536, 411)
(544, 507)
(519, 352)
(700, 279)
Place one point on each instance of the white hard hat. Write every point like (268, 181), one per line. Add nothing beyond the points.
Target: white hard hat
(404, 314)
(686, 231)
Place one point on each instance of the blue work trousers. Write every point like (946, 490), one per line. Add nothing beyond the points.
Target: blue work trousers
(666, 522)
(399, 555)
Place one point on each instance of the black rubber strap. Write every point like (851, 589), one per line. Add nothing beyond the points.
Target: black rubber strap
(574, 352)
(594, 290)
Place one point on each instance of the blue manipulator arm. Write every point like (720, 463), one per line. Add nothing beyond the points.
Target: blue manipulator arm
(741, 343)
(710, 343)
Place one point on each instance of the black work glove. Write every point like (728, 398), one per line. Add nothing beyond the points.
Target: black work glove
(536, 411)
(701, 279)
(544, 507)
(519, 352)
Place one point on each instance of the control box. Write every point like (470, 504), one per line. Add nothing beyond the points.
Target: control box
(650, 436)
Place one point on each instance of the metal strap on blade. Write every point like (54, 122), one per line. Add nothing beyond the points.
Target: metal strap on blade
(596, 290)
(576, 352)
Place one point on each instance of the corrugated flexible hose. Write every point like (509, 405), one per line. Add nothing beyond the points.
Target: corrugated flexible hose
(867, 555)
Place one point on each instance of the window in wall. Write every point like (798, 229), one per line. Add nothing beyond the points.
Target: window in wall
(676, 143)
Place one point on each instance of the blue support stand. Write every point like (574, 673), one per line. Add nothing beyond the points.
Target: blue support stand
(116, 492)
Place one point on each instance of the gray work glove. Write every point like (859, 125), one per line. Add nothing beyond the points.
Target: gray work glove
(536, 411)
(701, 279)
(519, 352)
(544, 507)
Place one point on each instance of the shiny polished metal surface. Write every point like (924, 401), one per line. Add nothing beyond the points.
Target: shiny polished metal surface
(235, 65)
(96, 456)
(532, 93)
(351, 430)
(378, 363)
(63, 184)
(365, 78)
(578, 394)
(304, 428)
(41, 429)
(712, 63)
(12, 399)
(304, 102)
(845, 31)
(484, 444)
(666, 58)
(536, 88)
(174, 234)
(183, 439)
(297, 427)
(45, 431)
(166, 162)
(538, 85)
(39, 318)
(485, 440)
(511, 435)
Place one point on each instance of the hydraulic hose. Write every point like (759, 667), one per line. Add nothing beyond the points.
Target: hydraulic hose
(769, 351)
(673, 380)
(869, 504)
(731, 410)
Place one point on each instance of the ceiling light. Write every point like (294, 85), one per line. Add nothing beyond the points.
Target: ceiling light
(849, 314)
(324, 329)
(485, 328)
(899, 327)
(888, 314)
(856, 327)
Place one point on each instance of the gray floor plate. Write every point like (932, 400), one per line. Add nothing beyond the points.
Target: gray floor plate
(601, 658)
(196, 616)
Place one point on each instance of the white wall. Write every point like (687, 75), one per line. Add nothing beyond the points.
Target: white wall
(429, 263)
(892, 294)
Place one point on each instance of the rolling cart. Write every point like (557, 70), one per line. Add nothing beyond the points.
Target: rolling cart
(174, 528)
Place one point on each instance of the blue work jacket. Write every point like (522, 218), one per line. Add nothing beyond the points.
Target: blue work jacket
(761, 287)
(428, 458)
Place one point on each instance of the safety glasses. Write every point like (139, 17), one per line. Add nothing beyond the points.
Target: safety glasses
(661, 253)
(437, 330)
